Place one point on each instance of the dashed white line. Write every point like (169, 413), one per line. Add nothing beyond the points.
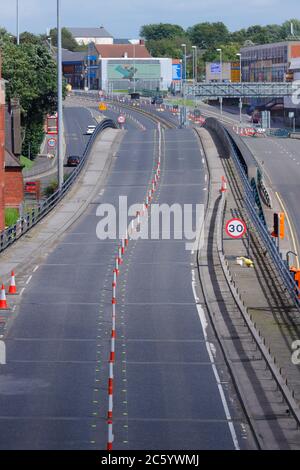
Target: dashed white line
(28, 280)
(22, 290)
(36, 268)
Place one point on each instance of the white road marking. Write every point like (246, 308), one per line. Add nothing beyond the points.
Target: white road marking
(22, 290)
(28, 280)
(211, 351)
(36, 268)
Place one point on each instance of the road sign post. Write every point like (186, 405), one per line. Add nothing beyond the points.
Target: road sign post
(236, 228)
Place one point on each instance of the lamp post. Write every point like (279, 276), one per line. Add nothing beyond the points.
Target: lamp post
(134, 83)
(221, 79)
(60, 157)
(18, 24)
(183, 120)
(240, 101)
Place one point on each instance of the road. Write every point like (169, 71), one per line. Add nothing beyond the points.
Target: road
(53, 390)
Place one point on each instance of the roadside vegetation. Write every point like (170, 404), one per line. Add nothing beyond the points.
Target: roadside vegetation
(30, 71)
(26, 163)
(164, 40)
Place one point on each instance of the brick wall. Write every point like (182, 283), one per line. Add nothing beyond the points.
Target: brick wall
(2, 140)
(14, 187)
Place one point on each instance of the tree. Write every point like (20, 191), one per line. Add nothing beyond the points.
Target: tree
(155, 32)
(168, 47)
(229, 53)
(30, 38)
(286, 28)
(68, 41)
(208, 35)
(30, 72)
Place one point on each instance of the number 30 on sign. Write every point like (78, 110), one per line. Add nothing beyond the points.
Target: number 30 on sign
(235, 228)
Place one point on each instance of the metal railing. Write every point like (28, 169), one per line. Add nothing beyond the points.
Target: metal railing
(13, 233)
(260, 227)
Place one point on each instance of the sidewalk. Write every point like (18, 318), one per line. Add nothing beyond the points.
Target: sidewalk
(261, 291)
(40, 238)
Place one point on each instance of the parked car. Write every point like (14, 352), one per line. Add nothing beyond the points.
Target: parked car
(90, 130)
(73, 160)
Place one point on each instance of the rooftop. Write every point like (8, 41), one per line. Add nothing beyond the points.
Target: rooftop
(118, 51)
(70, 56)
(90, 32)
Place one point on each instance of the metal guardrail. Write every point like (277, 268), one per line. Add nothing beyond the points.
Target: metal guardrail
(269, 242)
(13, 233)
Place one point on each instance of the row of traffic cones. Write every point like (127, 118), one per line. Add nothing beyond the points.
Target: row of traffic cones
(12, 290)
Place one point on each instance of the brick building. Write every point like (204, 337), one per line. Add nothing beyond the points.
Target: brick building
(2, 146)
(14, 185)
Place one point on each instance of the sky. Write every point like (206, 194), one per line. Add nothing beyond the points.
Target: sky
(123, 18)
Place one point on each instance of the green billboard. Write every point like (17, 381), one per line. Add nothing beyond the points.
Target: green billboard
(128, 70)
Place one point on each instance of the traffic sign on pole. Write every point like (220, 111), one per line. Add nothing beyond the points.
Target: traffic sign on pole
(51, 143)
(121, 119)
(236, 228)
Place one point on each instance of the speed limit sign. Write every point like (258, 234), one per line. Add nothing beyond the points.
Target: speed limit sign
(121, 119)
(235, 228)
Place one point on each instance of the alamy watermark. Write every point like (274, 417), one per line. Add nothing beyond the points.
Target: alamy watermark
(175, 222)
(2, 353)
(296, 92)
(296, 353)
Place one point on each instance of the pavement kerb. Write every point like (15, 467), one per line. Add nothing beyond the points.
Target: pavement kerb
(47, 238)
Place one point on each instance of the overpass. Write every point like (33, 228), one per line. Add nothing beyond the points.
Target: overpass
(243, 90)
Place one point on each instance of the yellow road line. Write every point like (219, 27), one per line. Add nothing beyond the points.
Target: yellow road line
(290, 227)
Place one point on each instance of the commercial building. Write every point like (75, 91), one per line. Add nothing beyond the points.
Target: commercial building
(85, 36)
(74, 68)
(227, 72)
(268, 62)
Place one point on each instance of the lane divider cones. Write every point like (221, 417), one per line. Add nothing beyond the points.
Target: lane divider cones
(12, 288)
(224, 185)
(110, 439)
(3, 302)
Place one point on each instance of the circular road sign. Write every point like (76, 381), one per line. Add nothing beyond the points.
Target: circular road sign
(121, 119)
(235, 228)
(51, 143)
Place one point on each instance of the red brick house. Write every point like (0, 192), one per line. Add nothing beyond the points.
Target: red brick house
(13, 181)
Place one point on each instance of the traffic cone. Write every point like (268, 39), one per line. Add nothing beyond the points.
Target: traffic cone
(12, 288)
(224, 185)
(3, 303)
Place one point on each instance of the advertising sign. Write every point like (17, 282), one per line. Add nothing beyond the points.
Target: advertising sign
(215, 68)
(127, 70)
(176, 75)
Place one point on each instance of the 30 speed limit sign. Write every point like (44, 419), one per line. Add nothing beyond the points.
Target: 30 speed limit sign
(235, 228)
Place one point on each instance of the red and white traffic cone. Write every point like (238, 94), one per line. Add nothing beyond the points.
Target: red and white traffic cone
(126, 238)
(3, 303)
(111, 380)
(114, 297)
(117, 266)
(120, 255)
(12, 288)
(110, 439)
(224, 185)
(123, 246)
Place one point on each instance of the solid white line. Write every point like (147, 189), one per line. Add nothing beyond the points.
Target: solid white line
(28, 280)
(204, 325)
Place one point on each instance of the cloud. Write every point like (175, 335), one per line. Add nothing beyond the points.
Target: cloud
(124, 18)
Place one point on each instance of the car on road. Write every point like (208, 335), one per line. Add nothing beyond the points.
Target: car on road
(73, 160)
(157, 100)
(90, 130)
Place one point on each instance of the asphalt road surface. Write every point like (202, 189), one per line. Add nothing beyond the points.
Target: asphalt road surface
(53, 390)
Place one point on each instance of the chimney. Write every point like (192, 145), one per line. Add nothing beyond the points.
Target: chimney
(2, 146)
(142, 42)
(16, 127)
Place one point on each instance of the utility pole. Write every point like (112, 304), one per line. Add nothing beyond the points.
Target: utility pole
(60, 156)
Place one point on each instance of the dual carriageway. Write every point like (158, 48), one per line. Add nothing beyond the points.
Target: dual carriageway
(174, 387)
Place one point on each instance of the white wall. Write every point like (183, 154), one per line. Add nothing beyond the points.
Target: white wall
(86, 41)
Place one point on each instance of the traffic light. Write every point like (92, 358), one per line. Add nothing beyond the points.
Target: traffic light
(278, 226)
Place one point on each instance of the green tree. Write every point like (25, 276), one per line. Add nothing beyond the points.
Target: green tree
(67, 39)
(155, 32)
(30, 72)
(286, 28)
(168, 47)
(208, 35)
(30, 38)
(229, 53)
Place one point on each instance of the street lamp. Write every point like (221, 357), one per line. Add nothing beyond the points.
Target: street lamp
(183, 76)
(221, 78)
(60, 157)
(194, 63)
(240, 101)
(18, 25)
